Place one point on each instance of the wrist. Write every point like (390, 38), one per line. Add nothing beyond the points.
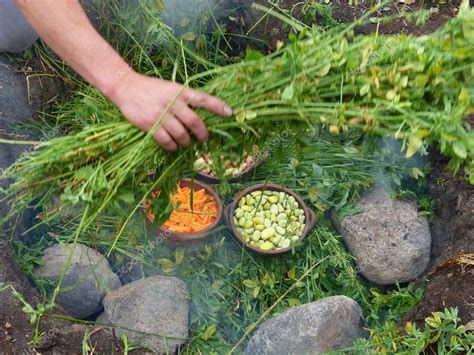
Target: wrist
(115, 86)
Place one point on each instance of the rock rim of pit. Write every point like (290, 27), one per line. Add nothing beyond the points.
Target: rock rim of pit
(86, 282)
(390, 241)
(329, 324)
(153, 312)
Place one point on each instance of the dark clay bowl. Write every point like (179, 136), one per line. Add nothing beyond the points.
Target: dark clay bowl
(229, 213)
(242, 175)
(179, 237)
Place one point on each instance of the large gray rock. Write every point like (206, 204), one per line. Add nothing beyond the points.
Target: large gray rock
(390, 242)
(14, 106)
(87, 280)
(152, 312)
(326, 325)
(14, 109)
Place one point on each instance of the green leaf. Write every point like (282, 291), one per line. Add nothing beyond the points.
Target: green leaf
(391, 94)
(167, 266)
(101, 180)
(293, 302)
(179, 255)
(350, 149)
(347, 211)
(188, 36)
(250, 283)
(460, 150)
(84, 173)
(414, 143)
(256, 291)
(324, 70)
(209, 332)
(364, 90)
(288, 93)
(416, 173)
(126, 197)
(299, 284)
(421, 80)
(253, 55)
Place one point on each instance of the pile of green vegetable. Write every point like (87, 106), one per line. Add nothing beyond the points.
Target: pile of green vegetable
(416, 89)
(269, 220)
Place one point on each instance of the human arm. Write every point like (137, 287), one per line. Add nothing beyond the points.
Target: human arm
(64, 26)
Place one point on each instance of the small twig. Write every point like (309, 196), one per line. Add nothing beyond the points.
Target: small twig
(11, 141)
(267, 312)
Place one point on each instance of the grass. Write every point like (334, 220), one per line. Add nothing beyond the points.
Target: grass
(230, 288)
(441, 335)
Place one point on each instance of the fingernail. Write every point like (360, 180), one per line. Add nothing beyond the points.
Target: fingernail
(227, 110)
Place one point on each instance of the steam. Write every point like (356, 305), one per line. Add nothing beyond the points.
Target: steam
(187, 15)
(139, 17)
(389, 149)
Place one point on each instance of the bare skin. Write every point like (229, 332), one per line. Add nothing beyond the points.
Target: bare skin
(64, 26)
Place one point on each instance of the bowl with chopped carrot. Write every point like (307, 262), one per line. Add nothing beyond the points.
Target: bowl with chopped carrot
(197, 209)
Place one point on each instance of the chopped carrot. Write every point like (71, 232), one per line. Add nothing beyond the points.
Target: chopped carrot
(187, 219)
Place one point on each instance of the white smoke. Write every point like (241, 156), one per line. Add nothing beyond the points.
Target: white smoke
(185, 15)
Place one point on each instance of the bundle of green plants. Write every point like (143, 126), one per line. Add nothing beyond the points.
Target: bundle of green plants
(416, 89)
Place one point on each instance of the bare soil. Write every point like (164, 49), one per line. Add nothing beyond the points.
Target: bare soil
(450, 279)
(452, 230)
(450, 285)
(260, 31)
(58, 336)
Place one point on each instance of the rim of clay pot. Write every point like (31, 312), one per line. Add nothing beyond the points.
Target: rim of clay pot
(242, 175)
(200, 235)
(229, 213)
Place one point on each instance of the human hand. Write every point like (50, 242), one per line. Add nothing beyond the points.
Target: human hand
(143, 99)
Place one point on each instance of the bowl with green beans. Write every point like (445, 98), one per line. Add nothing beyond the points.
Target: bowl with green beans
(269, 219)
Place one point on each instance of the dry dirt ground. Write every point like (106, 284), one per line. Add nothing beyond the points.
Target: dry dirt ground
(262, 32)
(451, 274)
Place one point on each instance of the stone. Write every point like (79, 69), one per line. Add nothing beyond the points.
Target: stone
(86, 282)
(152, 312)
(390, 241)
(14, 109)
(329, 324)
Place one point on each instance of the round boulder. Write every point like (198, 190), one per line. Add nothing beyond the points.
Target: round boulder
(86, 282)
(152, 312)
(329, 324)
(390, 241)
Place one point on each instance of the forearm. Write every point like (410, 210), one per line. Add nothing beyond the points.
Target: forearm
(64, 26)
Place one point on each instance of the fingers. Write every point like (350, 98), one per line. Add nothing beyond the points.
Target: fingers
(172, 133)
(192, 121)
(208, 102)
(164, 139)
(177, 131)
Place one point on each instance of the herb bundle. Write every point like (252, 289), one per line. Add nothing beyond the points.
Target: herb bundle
(417, 89)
